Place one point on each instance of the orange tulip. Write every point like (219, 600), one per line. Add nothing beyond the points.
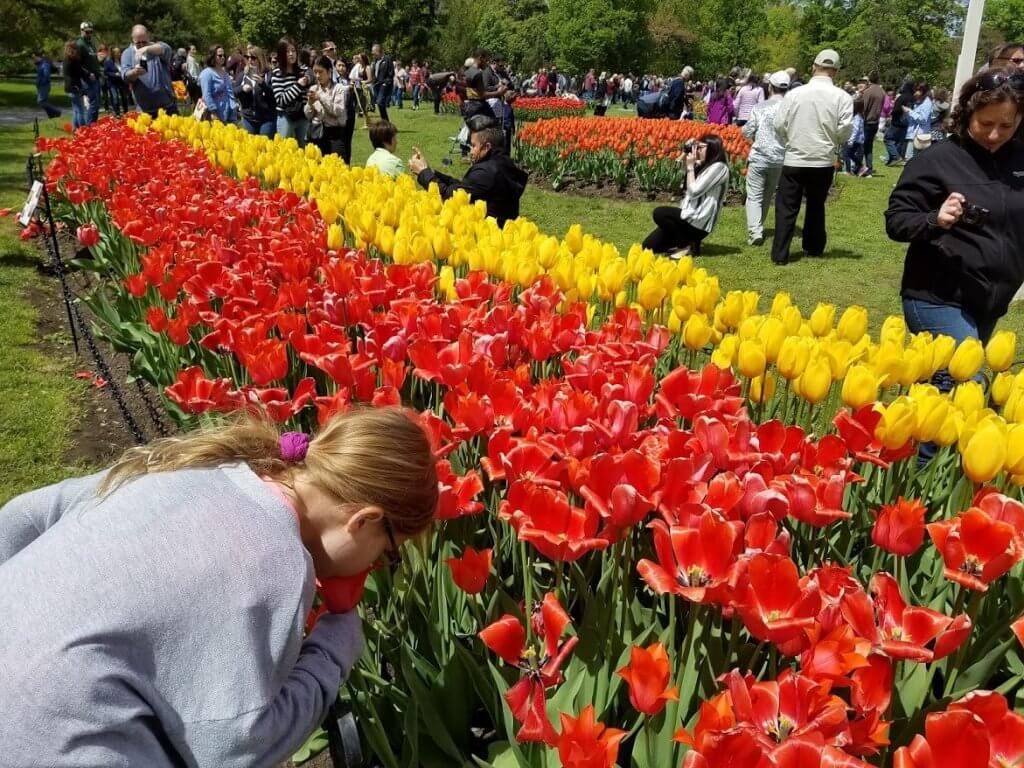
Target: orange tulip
(648, 675)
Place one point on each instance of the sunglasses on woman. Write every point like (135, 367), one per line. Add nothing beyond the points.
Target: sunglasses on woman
(992, 80)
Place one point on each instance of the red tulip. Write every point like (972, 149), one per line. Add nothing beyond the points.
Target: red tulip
(648, 674)
(739, 748)
(953, 739)
(694, 563)
(899, 527)
(1005, 727)
(194, 393)
(903, 632)
(1018, 629)
(506, 637)
(527, 702)
(457, 492)
(872, 685)
(470, 571)
(775, 605)
(545, 518)
(586, 743)
(976, 549)
(342, 594)
(88, 235)
(800, 753)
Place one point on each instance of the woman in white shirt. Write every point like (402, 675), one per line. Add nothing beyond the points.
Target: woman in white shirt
(326, 108)
(679, 231)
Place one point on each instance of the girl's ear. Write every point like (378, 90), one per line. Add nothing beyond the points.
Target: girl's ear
(362, 517)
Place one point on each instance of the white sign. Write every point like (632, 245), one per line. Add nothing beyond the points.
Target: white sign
(30, 205)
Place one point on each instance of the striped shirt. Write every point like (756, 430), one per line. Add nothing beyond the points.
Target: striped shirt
(288, 93)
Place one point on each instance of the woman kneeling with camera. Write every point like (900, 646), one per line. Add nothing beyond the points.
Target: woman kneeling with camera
(680, 230)
(959, 205)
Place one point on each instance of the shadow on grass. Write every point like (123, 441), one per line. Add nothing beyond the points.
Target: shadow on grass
(831, 253)
(20, 259)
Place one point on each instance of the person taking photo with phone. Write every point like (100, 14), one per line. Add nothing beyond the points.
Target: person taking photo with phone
(961, 209)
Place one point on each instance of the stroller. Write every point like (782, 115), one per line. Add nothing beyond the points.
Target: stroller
(669, 102)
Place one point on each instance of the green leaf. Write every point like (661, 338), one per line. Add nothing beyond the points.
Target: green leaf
(981, 671)
(315, 744)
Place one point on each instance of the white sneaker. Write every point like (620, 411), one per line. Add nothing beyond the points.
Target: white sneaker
(755, 241)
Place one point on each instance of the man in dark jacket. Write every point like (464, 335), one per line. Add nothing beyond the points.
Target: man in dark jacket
(873, 97)
(493, 177)
(93, 71)
(383, 80)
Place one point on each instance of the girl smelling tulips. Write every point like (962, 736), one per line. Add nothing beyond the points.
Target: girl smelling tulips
(154, 612)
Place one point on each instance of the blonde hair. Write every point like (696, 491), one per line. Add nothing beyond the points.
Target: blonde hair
(377, 456)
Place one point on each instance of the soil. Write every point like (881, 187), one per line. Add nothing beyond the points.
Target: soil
(102, 433)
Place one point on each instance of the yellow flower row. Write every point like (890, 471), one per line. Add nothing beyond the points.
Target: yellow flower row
(816, 355)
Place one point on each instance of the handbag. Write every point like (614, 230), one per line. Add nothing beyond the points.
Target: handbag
(201, 111)
(316, 131)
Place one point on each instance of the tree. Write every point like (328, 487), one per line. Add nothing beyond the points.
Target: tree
(1006, 17)
(590, 33)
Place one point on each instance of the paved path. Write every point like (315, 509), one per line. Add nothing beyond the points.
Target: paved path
(21, 115)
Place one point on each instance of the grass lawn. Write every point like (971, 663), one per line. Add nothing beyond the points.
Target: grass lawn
(38, 411)
(39, 407)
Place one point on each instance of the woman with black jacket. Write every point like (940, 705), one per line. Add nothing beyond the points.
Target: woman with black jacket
(255, 96)
(960, 207)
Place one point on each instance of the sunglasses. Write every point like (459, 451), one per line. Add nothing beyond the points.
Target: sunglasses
(1018, 60)
(250, 57)
(992, 80)
(393, 554)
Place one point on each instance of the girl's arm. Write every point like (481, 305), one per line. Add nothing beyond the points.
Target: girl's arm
(270, 734)
(27, 517)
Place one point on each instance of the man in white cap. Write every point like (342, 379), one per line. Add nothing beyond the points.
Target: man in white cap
(812, 123)
(764, 166)
(93, 71)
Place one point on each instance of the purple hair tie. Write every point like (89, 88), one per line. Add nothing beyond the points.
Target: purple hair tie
(294, 446)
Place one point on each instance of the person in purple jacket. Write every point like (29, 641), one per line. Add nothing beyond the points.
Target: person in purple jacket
(153, 613)
(720, 104)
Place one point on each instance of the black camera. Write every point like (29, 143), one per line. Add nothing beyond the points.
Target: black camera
(144, 62)
(689, 146)
(975, 215)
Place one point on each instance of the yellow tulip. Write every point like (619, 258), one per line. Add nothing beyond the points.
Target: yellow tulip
(1015, 450)
(897, 424)
(574, 238)
(650, 292)
(860, 386)
(949, 432)
(894, 330)
(969, 397)
(696, 332)
(726, 351)
(913, 367)
(816, 380)
(966, 360)
(772, 334)
(822, 318)
(751, 359)
(707, 294)
(732, 309)
(781, 301)
(791, 320)
(335, 237)
(793, 357)
(943, 348)
(932, 413)
(762, 389)
(1002, 385)
(1000, 350)
(853, 324)
(985, 452)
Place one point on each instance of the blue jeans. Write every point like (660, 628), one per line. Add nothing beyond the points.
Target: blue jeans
(295, 129)
(92, 90)
(944, 320)
(267, 128)
(43, 100)
(416, 95)
(78, 110)
(396, 97)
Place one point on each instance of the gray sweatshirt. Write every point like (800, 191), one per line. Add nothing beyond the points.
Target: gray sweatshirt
(161, 625)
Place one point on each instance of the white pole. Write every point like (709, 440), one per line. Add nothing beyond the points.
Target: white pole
(969, 47)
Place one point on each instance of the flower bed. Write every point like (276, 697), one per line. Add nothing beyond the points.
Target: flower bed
(622, 151)
(530, 108)
(662, 511)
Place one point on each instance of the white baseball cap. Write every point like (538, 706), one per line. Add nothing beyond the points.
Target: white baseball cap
(85, 26)
(827, 58)
(779, 79)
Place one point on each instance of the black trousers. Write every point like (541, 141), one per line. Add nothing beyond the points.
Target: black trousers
(797, 185)
(870, 132)
(671, 232)
(332, 141)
